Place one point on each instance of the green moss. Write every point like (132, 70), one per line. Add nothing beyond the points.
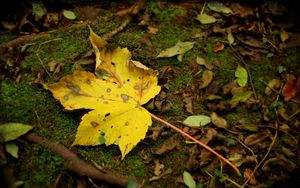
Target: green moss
(5, 37)
(166, 14)
(59, 48)
(42, 167)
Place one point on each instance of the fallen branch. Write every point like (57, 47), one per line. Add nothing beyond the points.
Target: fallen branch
(77, 165)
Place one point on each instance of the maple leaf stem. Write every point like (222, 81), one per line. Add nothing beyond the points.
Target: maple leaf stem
(197, 141)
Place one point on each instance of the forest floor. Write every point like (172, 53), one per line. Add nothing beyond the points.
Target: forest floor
(241, 71)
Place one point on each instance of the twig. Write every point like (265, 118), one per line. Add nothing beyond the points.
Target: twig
(37, 53)
(197, 141)
(77, 165)
(266, 155)
(202, 10)
(295, 113)
(57, 180)
(249, 149)
(117, 30)
(25, 38)
(238, 56)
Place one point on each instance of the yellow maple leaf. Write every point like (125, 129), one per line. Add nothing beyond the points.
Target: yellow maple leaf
(115, 94)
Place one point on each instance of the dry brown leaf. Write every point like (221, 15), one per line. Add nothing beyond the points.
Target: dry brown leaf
(209, 136)
(188, 100)
(247, 175)
(284, 35)
(218, 121)
(52, 65)
(256, 138)
(158, 167)
(219, 47)
(168, 145)
(152, 30)
(291, 87)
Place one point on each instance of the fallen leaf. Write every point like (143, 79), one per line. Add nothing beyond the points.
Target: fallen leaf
(206, 79)
(154, 178)
(209, 136)
(219, 7)
(230, 37)
(12, 131)
(212, 97)
(189, 180)
(219, 47)
(256, 138)
(236, 159)
(204, 62)
(291, 87)
(248, 174)
(179, 49)
(52, 65)
(284, 35)
(163, 106)
(241, 97)
(158, 167)
(242, 76)
(38, 10)
(69, 14)
(152, 30)
(168, 145)
(12, 149)
(282, 112)
(114, 95)
(274, 84)
(197, 121)
(218, 121)
(188, 100)
(206, 19)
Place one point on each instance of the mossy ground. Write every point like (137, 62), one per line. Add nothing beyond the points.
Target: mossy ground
(27, 102)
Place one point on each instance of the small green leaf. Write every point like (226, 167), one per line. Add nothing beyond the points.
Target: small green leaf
(242, 97)
(252, 128)
(219, 7)
(189, 180)
(12, 149)
(230, 142)
(206, 19)
(281, 69)
(179, 49)
(197, 121)
(12, 131)
(242, 76)
(69, 14)
(38, 9)
(230, 37)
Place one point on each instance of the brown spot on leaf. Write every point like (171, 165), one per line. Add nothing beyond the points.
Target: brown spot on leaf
(108, 90)
(74, 88)
(124, 97)
(126, 123)
(94, 124)
(88, 81)
(66, 97)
